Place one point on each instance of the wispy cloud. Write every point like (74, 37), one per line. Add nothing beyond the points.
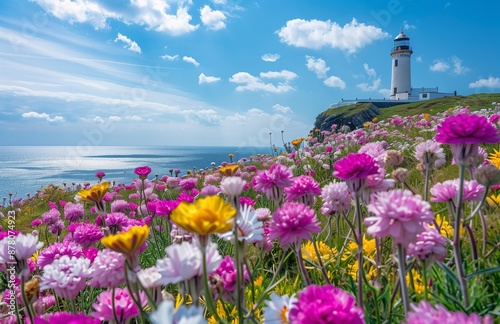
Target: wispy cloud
(170, 57)
(129, 44)
(315, 34)
(439, 66)
(202, 78)
(408, 26)
(34, 114)
(253, 83)
(372, 74)
(270, 57)
(445, 65)
(191, 60)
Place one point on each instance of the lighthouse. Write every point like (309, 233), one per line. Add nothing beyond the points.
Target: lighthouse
(401, 68)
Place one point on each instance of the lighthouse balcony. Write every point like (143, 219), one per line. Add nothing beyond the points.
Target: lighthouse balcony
(401, 48)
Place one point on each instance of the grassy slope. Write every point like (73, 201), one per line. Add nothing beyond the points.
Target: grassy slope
(475, 101)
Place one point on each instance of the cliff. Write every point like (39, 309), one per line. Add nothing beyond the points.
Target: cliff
(353, 116)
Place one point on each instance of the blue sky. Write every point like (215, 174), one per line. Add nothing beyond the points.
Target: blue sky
(221, 72)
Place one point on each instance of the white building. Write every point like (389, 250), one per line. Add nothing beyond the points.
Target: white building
(401, 68)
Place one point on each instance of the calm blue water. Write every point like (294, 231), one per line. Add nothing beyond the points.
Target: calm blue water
(26, 169)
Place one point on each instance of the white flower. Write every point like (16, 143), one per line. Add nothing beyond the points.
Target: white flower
(249, 227)
(26, 246)
(66, 275)
(183, 315)
(149, 277)
(232, 186)
(277, 309)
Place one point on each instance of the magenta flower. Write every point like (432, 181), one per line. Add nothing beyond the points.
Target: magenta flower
(64, 317)
(51, 217)
(165, 207)
(119, 205)
(399, 214)
(227, 272)
(464, 132)
(429, 246)
(304, 189)
(124, 305)
(425, 313)
(273, 181)
(36, 222)
(87, 234)
(355, 168)
(292, 223)
(57, 250)
(188, 184)
(325, 305)
(100, 174)
(142, 172)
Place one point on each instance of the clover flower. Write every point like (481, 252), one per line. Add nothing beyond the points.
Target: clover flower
(108, 269)
(304, 189)
(273, 181)
(66, 276)
(325, 304)
(399, 214)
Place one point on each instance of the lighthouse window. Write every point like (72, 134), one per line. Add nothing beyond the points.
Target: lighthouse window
(395, 62)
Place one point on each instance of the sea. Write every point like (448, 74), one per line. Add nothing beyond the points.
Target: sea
(26, 169)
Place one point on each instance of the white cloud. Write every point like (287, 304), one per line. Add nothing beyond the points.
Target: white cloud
(458, 68)
(190, 60)
(282, 109)
(170, 57)
(270, 57)
(252, 83)
(439, 66)
(491, 82)
(334, 82)
(207, 79)
(129, 44)
(114, 118)
(367, 87)
(370, 71)
(98, 119)
(316, 34)
(407, 26)
(207, 117)
(219, 2)
(34, 114)
(212, 19)
(154, 14)
(317, 66)
(134, 118)
(385, 92)
(419, 59)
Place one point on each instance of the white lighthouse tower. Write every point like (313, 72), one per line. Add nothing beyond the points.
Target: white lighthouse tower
(401, 68)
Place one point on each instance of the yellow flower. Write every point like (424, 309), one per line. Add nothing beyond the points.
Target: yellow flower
(367, 124)
(369, 247)
(297, 142)
(230, 155)
(127, 242)
(418, 283)
(494, 158)
(426, 117)
(445, 227)
(205, 216)
(374, 119)
(229, 170)
(493, 200)
(326, 253)
(95, 195)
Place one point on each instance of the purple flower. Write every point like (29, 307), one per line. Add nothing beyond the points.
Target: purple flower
(119, 205)
(247, 201)
(425, 313)
(304, 189)
(292, 223)
(376, 150)
(468, 129)
(36, 222)
(124, 306)
(355, 168)
(51, 217)
(325, 305)
(73, 212)
(227, 272)
(66, 275)
(142, 172)
(336, 198)
(165, 207)
(431, 153)
(116, 222)
(399, 214)
(430, 245)
(100, 174)
(188, 184)
(210, 190)
(63, 317)
(57, 250)
(87, 234)
(108, 269)
(273, 181)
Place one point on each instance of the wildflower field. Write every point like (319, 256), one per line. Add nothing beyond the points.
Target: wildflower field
(397, 222)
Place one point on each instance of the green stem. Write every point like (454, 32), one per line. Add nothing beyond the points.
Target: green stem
(208, 294)
(300, 262)
(424, 277)
(113, 305)
(456, 239)
(240, 296)
(320, 262)
(402, 278)
(359, 240)
(25, 300)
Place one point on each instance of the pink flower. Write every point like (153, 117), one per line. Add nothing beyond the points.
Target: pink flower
(108, 269)
(273, 181)
(87, 234)
(399, 214)
(247, 201)
(57, 250)
(425, 313)
(447, 191)
(100, 174)
(430, 152)
(210, 190)
(304, 189)
(336, 198)
(73, 212)
(227, 272)
(64, 317)
(36, 222)
(66, 276)
(165, 207)
(119, 206)
(355, 168)
(325, 305)
(124, 305)
(188, 184)
(142, 172)
(430, 245)
(292, 223)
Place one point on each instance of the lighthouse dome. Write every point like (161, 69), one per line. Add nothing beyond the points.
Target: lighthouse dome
(401, 36)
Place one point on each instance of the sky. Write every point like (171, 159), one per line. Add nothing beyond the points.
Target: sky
(222, 72)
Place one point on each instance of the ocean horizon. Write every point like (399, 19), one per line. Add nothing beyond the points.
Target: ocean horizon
(27, 169)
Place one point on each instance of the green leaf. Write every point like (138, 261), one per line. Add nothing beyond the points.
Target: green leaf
(483, 271)
(449, 272)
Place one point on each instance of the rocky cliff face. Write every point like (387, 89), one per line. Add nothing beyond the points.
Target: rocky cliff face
(326, 119)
